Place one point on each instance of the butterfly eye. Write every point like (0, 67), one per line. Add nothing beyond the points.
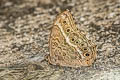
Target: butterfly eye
(87, 54)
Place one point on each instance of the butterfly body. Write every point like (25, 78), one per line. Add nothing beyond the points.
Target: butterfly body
(69, 45)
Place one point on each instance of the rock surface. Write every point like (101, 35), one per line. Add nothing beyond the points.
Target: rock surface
(24, 33)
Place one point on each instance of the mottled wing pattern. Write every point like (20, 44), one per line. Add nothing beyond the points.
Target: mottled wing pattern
(69, 45)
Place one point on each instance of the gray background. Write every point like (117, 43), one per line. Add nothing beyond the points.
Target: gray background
(24, 33)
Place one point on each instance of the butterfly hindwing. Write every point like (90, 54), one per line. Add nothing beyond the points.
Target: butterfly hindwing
(68, 46)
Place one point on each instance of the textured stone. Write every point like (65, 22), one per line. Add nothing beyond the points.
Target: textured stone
(24, 34)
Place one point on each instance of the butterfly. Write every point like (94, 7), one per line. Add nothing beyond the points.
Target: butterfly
(69, 45)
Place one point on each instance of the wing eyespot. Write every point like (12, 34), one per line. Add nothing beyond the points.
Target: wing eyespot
(87, 54)
(64, 22)
(76, 42)
(82, 44)
(85, 49)
(68, 30)
(72, 39)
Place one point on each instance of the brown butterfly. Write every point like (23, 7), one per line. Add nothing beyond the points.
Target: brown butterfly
(68, 45)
